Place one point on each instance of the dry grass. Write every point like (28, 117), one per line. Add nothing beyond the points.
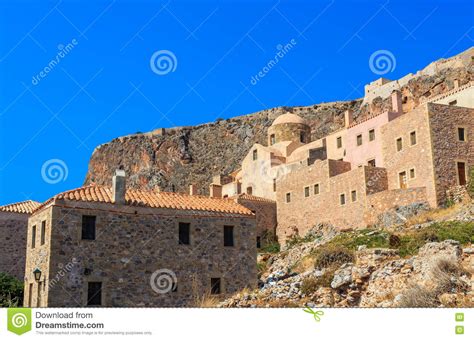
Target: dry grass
(433, 215)
(305, 264)
(207, 301)
(330, 256)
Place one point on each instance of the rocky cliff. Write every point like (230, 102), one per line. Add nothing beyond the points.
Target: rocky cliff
(172, 159)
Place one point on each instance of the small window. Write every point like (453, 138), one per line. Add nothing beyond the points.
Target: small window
(274, 185)
(43, 232)
(413, 137)
(288, 197)
(399, 144)
(412, 173)
(88, 227)
(255, 154)
(33, 236)
(272, 139)
(184, 233)
(461, 134)
(353, 195)
(94, 293)
(259, 242)
(371, 135)
(371, 162)
(302, 137)
(339, 142)
(228, 236)
(359, 140)
(306, 192)
(342, 199)
(454, 102)
(215, 285)
(249, 190)
(461, 169)
(402, 179)
(316, 189)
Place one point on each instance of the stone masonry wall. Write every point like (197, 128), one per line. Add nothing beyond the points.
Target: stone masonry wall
(266, 217)
(13, 243)
(132, 243)
(447, 149)
(289, 132)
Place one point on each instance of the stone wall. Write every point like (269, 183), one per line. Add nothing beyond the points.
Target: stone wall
(266, 217)
(447, 149)
(131, 244)
(13, 243)
(289, 132)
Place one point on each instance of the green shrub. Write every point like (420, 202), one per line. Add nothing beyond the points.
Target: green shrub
(330, 255)
(11, 291)
(309, 285)
(273, 247)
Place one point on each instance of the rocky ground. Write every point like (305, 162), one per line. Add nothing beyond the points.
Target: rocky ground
(411, 271)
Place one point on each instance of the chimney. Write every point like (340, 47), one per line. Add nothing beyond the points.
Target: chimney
(118, 187)
(456, 83)
(397, 102)
(215, 190)
(348, 118)
(193, 190)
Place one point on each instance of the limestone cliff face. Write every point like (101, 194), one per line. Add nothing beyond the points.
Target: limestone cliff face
(192, 155)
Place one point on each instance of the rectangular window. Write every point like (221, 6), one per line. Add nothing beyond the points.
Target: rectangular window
(184, 233)
(43, 232)
(353, 195)
(342, 199)
(454, 102)
(302, 137)
(402, 179)
(461, 173)
(215, 285)
(359, 140)
(399, 144)
(274, 185)
(259, 242)
(88, 227)
(94, 293)
(228, 236)
(371, 135)
(412, 173)
(33, 237)
(306, 192)
(339, 142)
(316, 189)
(288, 197)
(371, 162)
(461, 134)
(413, 137)
(272, 139)
(255, 154)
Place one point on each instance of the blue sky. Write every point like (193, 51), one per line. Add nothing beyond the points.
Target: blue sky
(103, 85)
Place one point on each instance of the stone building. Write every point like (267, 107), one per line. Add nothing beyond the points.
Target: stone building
(13, 228)
(352, 176)
(113, 247)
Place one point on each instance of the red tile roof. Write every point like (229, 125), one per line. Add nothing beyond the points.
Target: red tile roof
(25, 207)
(154, 199)
(248, 197)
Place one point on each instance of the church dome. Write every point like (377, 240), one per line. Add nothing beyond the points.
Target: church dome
(289, 118)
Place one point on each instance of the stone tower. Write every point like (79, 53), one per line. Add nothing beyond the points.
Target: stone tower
(289, 127)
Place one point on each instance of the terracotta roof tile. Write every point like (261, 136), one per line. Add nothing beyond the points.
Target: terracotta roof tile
(25, 207)
(252, 198)
(153, 199)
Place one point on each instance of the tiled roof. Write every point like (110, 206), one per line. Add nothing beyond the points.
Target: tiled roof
(25, 207)
(154, 199)
(248, 197)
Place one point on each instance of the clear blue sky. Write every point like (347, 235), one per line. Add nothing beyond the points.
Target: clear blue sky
(104, 87)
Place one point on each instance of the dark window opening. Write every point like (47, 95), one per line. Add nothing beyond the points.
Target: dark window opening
(359, 140)
(371, 135)
(399, 144)
(342, 199)
(259, 242)
(316, 189)
(302, 137)
(274, 185)
(461, 173)
(454, 102)
(288, 197)
(33, 237)
(272, 139)
(412, 173)
(184, 233)
(228, 236)
(354, 195)
(249, 190)
(339, 142)
(94, 293)
(461, 134)
(306, 192)
(402, 179)
(255, 155)
(43, 232)
(413, 138)
(215, 285)
(371, 162)
(88, 227)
